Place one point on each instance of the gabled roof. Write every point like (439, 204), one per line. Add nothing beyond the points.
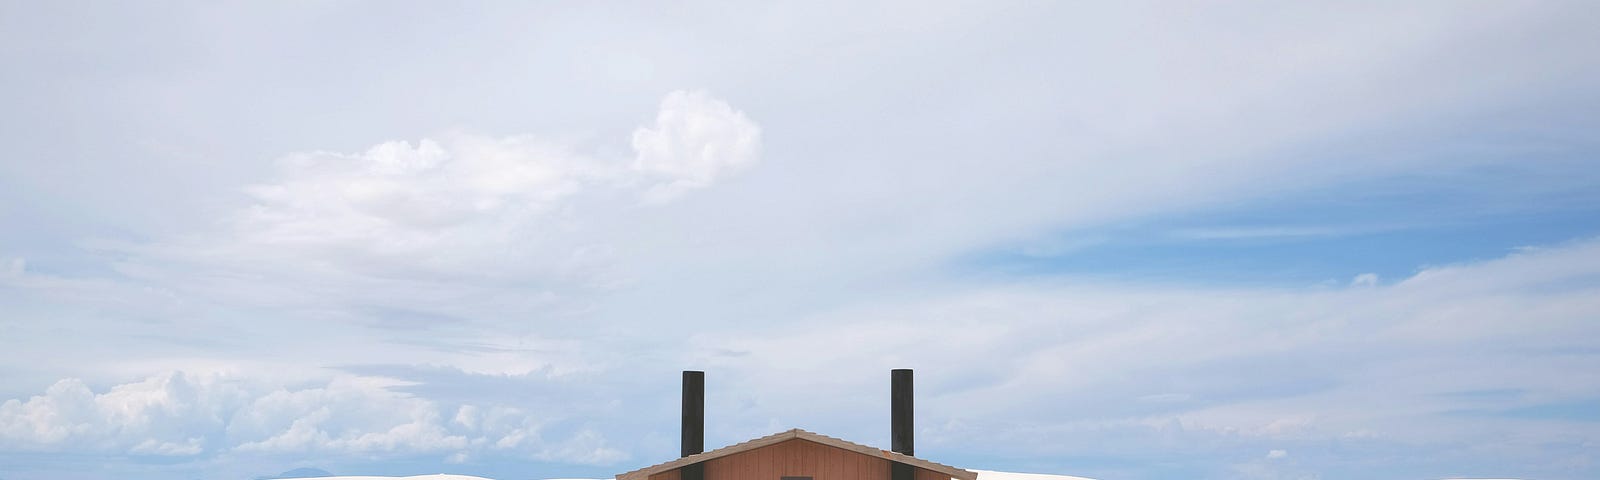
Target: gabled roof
(646, 472)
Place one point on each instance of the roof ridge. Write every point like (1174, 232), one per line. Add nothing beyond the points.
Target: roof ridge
(705, 453)
(888, 452)
(801, 434)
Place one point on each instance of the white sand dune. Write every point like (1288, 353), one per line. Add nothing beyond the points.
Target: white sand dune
(993, 475)
(438, 476)
(982, 475)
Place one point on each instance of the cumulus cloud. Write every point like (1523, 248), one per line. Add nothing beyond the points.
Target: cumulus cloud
(180, 415)
(469, 200)
(695, 140)
(162, 415)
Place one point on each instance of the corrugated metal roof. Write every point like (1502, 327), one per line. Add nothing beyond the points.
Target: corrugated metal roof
(798, 434)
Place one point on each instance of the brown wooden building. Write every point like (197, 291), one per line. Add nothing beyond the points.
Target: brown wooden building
(795, 455)
(798, 454)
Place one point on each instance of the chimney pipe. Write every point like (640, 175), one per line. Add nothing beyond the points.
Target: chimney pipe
(694, 423)
(694, 412)
(900, 428)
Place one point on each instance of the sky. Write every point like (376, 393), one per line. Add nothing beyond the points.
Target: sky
(1121, 240)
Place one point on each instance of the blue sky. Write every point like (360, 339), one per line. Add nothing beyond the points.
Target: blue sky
(1123, 241)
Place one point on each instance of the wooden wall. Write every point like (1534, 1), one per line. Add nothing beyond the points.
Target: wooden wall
(798, 458)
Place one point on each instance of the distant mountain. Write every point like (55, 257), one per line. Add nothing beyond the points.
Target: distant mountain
(298, 473)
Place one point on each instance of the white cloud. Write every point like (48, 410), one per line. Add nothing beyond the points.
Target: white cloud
(588, 447)
(1166, 398)
(160, 416)
(465, 191)
(695, 140)
(523, 224)
(1261, 367)
(344, 417)
(465, 249)
(1277, 454)
(178, 414)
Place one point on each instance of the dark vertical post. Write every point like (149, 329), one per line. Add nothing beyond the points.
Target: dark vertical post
(900, 434)
(694, 412)
(693, 439)
(900, 428)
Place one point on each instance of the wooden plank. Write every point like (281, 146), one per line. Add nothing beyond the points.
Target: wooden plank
(667, 475)
(768, 466)
(836, 466)
(791, 457)
(925, 474)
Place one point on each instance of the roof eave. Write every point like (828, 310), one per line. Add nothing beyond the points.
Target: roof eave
(646, 472)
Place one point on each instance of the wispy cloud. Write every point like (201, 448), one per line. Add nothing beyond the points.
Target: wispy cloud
(238, 236)
(1265, 232)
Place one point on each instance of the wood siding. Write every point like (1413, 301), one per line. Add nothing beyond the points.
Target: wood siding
(798, 458)
(923, 474)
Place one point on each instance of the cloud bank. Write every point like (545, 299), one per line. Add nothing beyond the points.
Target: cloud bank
(186, 415)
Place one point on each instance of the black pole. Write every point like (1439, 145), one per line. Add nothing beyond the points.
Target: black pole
(694, 412)
(694, 422)
(900, 434)
(900, 429)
